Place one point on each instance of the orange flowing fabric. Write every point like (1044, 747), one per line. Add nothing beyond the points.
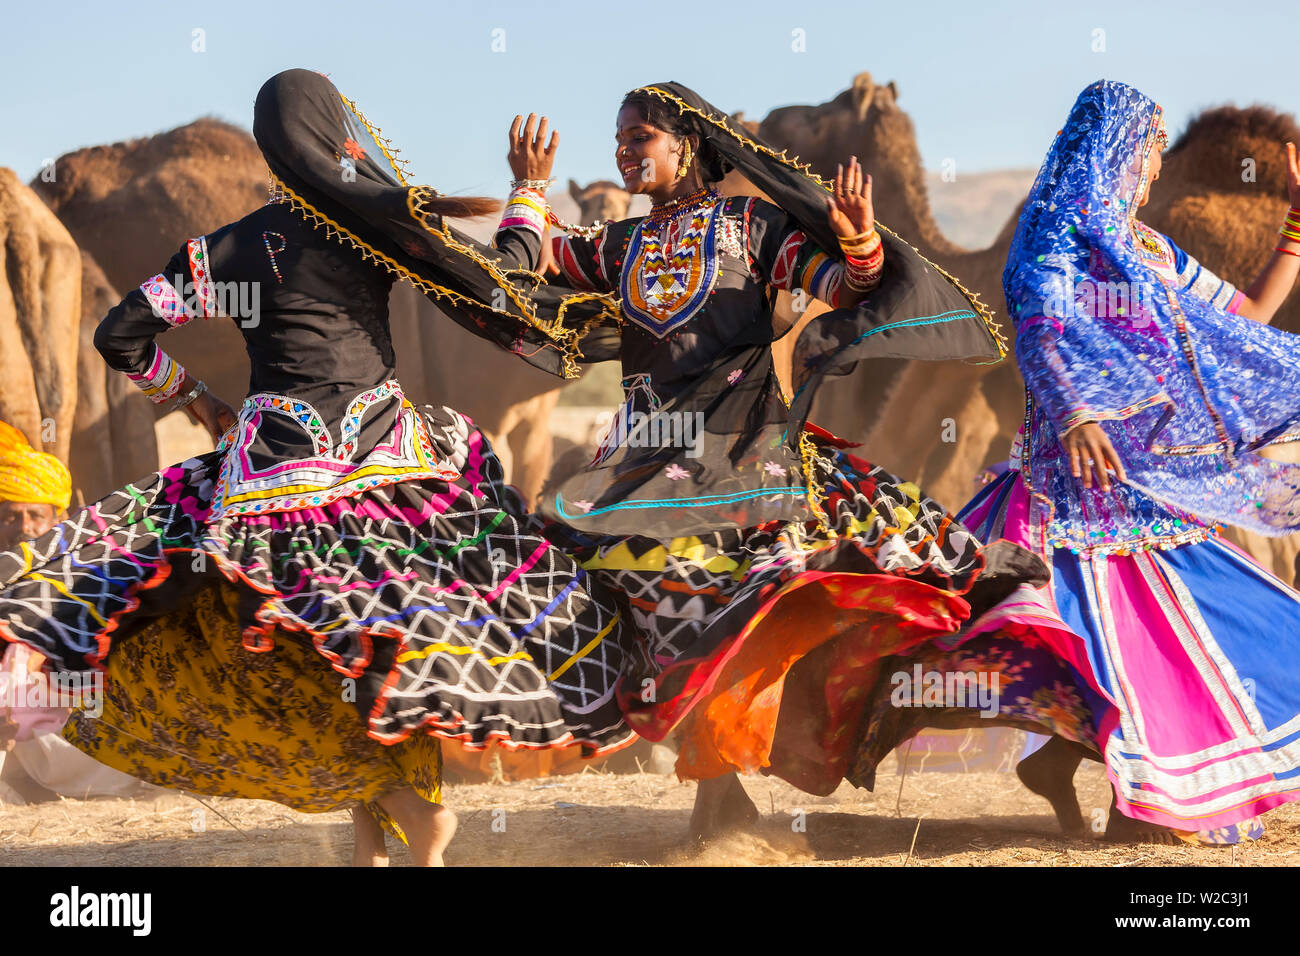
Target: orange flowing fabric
(808, 662)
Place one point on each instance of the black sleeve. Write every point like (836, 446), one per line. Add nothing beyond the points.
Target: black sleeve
(125, 337)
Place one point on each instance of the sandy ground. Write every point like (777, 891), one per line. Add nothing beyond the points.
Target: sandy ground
(604, 819)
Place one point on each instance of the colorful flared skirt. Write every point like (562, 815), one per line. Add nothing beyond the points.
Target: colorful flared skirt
(1191, 656)
(439, 605)
(763, 648)
(188, 707)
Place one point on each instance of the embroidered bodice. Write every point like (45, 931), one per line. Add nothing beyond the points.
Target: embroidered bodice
(695, 282)
(1182, 271)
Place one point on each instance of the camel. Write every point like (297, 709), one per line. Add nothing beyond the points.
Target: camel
(600, 201)
(909, 403)
(940, 423)
(113, 430)
(132, 204)
(40, 304)
(54, 387)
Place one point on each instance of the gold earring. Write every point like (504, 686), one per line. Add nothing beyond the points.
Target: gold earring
(686, 161)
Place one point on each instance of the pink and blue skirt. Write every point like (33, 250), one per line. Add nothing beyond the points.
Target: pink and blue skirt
(1191, 656)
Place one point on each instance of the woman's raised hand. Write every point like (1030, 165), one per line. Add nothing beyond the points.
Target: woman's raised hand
(531, 156)
(848, 207)
(1092, 453)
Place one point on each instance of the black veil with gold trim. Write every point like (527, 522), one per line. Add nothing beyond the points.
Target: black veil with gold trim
(339, 171)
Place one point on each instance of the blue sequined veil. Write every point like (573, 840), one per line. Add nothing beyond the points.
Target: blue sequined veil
(1186, 392)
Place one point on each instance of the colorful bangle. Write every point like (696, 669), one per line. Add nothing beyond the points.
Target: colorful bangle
(1291, 225)
(861, 246)
(1289, 252)
(162, 377)
(863, 274)
(858, 284)
(860, 237)
(526, 209)
(868, 263)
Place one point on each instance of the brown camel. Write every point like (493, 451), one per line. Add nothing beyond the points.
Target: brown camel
(903, 412)
(600, 201)
(113, 431)
(40, 305)
(132, 204)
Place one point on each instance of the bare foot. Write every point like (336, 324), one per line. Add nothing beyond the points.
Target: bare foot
(1049, 772)
(1122, 829)
(368, 846)
(429, 827)
(721, 804)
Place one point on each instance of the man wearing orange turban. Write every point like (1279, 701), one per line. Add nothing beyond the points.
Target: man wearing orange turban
(34, 488)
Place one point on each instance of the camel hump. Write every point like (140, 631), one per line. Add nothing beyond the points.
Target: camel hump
(40, 308)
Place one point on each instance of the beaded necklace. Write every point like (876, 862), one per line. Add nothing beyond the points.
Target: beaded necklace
(671, 208)
(663, 283)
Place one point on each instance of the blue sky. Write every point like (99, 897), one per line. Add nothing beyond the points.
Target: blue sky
(986, 83)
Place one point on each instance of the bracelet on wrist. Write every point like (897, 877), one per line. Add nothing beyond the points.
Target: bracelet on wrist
(1291, 225)
(189, 397)
(865, 255)
(860, 237)
(862, 248)
(540, 185)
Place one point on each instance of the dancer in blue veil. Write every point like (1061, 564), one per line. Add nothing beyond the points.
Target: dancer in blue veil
(1155, 391)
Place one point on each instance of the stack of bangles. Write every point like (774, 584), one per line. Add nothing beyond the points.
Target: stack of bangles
(527, 205)
(864, 260)
(1290, 231)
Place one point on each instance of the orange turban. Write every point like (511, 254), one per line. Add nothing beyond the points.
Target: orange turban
(31, 476)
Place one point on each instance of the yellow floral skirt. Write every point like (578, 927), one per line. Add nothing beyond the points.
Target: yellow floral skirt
(186, 706)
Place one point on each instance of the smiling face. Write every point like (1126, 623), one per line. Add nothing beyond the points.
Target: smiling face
(647, 157)
(22, 520)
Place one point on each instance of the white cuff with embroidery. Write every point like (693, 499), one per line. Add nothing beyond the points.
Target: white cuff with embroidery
(525, 209)
(162, 378)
